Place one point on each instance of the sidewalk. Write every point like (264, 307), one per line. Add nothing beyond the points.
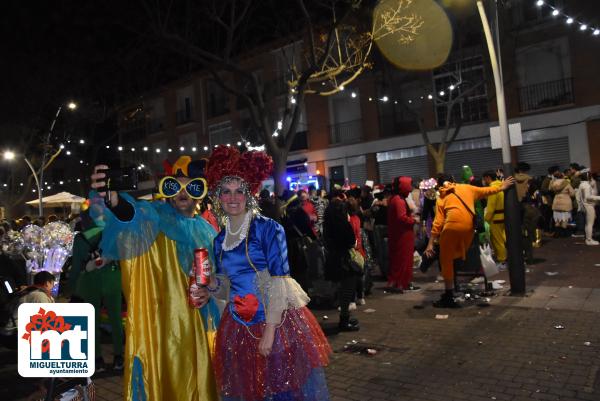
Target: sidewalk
(544, 346)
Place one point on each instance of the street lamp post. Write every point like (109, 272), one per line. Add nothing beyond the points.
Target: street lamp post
(512, 216)
(8, 155)
(39, 178)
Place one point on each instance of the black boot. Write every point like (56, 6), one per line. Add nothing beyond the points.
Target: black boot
(446, 301)
(348, 324)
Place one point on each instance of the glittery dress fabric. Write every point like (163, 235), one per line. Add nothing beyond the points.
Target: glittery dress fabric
(258, 272)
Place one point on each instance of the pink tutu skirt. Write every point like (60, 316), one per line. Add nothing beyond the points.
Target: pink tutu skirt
(293, 371)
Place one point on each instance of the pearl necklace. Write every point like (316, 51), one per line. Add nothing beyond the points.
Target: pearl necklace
(241, 232)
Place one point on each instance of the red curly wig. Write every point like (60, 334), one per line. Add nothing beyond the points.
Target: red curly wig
(227, 161)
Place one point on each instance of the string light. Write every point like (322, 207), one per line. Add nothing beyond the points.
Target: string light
(353, 94)
(82, 141)
(193, 149)
(68, 153)
(205, 148)
(107, 146)
(583, 27)
(120, 148)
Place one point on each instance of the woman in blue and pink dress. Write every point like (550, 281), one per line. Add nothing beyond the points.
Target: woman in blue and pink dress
(269, 346)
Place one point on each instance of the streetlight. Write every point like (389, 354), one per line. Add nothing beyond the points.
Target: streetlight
(71, 106)
(516, 267)
(10, 156)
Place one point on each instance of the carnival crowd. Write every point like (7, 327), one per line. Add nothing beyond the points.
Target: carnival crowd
(247, 334)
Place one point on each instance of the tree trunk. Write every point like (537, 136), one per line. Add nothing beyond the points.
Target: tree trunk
(279, 170)
(440, 161)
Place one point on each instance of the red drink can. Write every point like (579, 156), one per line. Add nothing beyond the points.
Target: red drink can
(202, 268)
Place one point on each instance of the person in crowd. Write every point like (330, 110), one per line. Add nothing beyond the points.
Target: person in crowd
(269, 346)
(339, 239)
(469, 178)
(548, 199)
(522, 179)
(494, 216)
(562, 204)
(428, 201)
(298, 229)
(573, 173)
(530, 218)
(366, 197)
(453, 227)
(401, 237)
(320, 204)
(168, 341)
(207, 213)
(353, 198)
(587, 199)
(39, 292)
(267, 205)
(97, 280)
(52, 218)
(309, 208)
(379, 213)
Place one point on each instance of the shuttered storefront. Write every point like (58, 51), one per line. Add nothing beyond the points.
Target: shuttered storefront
(357, 170)
(477, 153)
(543, 154)
(410, 162)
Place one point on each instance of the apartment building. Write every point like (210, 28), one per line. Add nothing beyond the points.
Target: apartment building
(369, 131)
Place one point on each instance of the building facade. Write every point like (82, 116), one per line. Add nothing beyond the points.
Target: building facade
(370, 130)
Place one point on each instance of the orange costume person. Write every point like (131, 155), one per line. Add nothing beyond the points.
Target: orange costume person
(454, 224)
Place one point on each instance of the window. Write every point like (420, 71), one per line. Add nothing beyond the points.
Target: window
(217, 99)
(544, 72)
(345, 117)
(155, 113)
(221, 134)
(185, 104)
(463, 74)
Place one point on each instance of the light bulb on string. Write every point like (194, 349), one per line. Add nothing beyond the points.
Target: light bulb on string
(193, 149)
(181, 148)
(205, 148)
(157, 150)
(133, 149)
(145, 148)
(68, 153)
(107, 146)
(82, 141)
(555, 12)
(540, 3)
(120, 148)
(569, 20)
(583, 27)
(62, 146)
(596, 32)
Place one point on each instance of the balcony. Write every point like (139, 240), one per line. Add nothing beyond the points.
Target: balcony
(546, 95)
(394, 125)
(301, 138)
(156, 125)
(346, 132)
(184, 116)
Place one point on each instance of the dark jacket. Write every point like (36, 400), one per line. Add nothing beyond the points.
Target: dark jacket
(339, 239)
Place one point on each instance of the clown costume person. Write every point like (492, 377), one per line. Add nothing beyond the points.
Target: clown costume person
(167, 352)
(269, 346)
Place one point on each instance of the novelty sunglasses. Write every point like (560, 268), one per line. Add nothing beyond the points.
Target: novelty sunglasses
(170, 186)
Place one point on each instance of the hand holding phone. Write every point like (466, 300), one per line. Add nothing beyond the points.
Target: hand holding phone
(108, 181)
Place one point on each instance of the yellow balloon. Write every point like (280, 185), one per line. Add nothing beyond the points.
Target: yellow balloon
(412, 34)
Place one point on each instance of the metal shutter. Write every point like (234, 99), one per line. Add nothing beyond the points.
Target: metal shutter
(543, 154)
(358, 174)
(415, 167)
(479, 160)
